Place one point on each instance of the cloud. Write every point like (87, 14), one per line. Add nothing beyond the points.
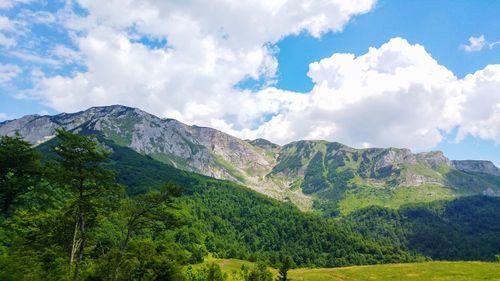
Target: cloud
(207, 50)
(395, 95)
(34, 58)
(3, 116)
(7, 41)
(478, 43)
(6, 24)
(8, 72)
(7, 4)
(481, 106)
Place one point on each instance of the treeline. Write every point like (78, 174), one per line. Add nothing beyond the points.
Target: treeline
(466, 228)
(80, 209)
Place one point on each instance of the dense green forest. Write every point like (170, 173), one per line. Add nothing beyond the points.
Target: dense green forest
(467, 228)
(83, 208)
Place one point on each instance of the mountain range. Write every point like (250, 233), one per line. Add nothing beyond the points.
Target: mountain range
(312, 174)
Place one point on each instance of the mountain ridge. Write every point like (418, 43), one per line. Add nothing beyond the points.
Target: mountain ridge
(304, 172)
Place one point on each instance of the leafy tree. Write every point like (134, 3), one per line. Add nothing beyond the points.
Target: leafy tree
(497, 258)
(78, 168)
(210, 272)
(19, 169)
(259, 273)
(152, 210)
(286, 265)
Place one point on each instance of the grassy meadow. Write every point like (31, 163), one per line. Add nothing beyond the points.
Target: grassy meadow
(425, 271)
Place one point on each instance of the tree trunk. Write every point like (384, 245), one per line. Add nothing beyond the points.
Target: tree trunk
(123, 246)
(83, 238)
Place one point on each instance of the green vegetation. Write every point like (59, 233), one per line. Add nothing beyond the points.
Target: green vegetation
(73, 222)
(94, 210)
(428, 271)
(463, 229)
(425, 271)
(362, 197)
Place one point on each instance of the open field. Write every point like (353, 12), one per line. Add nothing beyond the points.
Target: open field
(439, 271)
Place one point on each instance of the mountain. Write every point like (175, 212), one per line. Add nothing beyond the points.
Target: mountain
(324, 175)
(343, 179)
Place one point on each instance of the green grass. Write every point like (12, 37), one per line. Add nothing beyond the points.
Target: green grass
(420, 169)
(171, 160)
(363, 197)
(229, 167)
(442, 271)
(425, 271)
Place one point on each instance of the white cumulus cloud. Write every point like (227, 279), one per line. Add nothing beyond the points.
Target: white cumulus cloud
(210, 47)
(481, 107)
(396, 94)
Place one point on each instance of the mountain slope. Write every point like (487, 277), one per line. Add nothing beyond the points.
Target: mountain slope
(230, 220)
(338, 178)
(192, 148)
(343, 179)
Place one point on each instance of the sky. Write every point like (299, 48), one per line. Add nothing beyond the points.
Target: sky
(424, 74)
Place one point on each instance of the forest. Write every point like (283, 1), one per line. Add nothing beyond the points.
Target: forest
(83, 208)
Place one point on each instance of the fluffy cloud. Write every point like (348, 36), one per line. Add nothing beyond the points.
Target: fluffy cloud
(394, 95)
(204, 50)
(481, 106)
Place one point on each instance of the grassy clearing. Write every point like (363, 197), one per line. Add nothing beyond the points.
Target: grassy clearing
(393, 198)
(428, 271)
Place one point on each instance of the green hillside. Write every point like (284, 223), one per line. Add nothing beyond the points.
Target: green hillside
(342, 179)
(463, 229)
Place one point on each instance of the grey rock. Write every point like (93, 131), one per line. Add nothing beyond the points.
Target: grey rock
(476, 166)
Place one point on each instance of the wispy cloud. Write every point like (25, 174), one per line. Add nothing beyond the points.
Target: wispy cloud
(35, 58)
(476, 44)
(7, 4)
(8, 72)
(7, 41)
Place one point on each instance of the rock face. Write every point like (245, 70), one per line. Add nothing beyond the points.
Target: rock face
(198, 149)
(188, 147)
(476, 166)
(292, 172)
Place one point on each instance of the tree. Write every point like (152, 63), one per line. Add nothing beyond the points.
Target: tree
(145, 212)
(286, 265)
(259, 273)
(19, 169)
(78, 168)
(210, 272)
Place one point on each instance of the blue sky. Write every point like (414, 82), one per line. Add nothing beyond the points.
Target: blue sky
(63, 60)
